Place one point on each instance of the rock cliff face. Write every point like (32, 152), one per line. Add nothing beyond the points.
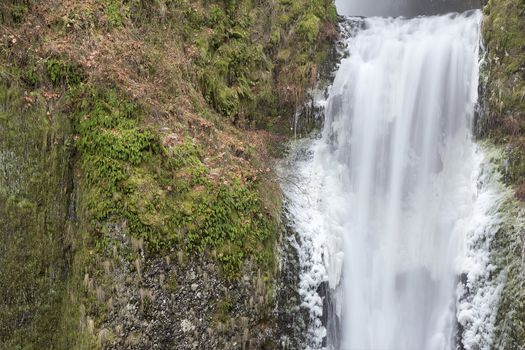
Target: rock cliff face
(503, 124)
(138, 207)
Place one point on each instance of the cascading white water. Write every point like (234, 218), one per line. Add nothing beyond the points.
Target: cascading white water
(398, 123)
(384, 201)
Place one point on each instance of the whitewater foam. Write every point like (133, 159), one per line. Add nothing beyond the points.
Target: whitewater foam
(392, 203)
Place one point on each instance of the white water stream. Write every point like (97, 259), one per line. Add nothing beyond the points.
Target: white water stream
(391, 202)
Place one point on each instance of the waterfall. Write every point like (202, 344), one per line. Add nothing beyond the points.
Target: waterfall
(391, 197)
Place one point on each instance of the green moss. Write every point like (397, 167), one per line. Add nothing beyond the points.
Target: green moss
(60, 71)
(228, 219)
(275, 37)
(116, 12)
(331, 13)
(185, 154)
(504, 125)
(217, 17)
(34, 197)
(507, 255)
(110, 143)
(504, 36)
(226, 72)
(223, 310)
(164, 193)
(504, 94)
(308, 28)
(13, 11)
(31, 76)
(18, 12)
(514, 166)
(236, 49)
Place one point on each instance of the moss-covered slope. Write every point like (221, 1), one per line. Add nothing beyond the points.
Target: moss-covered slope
(34, 215)
(138, 206)
(503, 124)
